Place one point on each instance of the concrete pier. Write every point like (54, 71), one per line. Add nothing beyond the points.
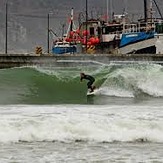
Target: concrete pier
(17, 60)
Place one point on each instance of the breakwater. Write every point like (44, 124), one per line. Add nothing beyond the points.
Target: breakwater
(17, 60)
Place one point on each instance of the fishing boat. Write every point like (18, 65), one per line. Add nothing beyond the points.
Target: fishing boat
(143, 36)
(139, 39)
(120, 35)
(116, 36)
(65, 45)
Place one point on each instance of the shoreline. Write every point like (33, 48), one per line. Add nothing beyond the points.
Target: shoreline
(67, 60)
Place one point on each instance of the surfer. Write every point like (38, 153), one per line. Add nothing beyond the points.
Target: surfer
(90, 82)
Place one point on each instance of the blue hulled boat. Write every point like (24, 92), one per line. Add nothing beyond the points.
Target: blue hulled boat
(63, 48)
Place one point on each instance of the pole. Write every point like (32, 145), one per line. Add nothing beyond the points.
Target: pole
(48, 33)
(111, 12)
(6, 41)
(107, 10)
(86, 24)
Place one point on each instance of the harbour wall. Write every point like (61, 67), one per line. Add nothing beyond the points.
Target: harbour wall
(17, 60)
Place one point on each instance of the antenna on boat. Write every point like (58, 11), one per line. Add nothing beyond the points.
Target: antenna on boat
(63, 30)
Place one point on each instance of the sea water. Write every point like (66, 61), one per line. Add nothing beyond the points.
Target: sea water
(45, 115)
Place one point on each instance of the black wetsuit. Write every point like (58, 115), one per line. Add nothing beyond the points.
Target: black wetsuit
(91, 81)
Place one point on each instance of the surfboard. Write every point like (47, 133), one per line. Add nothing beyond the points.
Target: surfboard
(91, 93)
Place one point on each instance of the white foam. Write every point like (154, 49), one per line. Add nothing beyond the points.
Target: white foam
(127, 81)
(118, 92)
(85, 123)
(152, 83)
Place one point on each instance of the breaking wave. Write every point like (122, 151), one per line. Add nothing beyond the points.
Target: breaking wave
(72, 123)
(45, 85)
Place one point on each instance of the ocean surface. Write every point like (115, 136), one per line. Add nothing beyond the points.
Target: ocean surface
(46, 117)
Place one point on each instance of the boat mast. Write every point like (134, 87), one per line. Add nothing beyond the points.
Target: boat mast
(86, 26)
(151, 11)
(145, 11)
(71, 24)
